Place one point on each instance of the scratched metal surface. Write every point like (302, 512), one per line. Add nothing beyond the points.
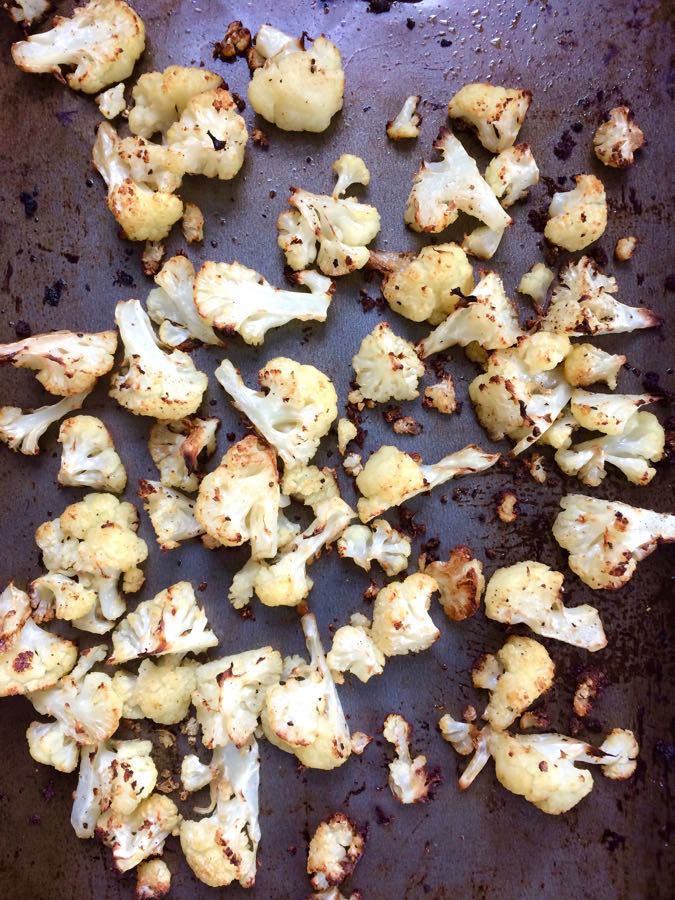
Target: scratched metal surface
(578, 59)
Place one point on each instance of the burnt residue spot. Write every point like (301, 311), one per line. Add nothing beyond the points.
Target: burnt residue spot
(124, 279)
(407, 523)
(652, 384)
(381, 817)
(9, 271)
(635, 204)
(669, 283)
(565, 145)
(29, 203)
(666, 750)
(66, 116)
(612, 51)
(22, 329)
(239, 101)
(599, 254)
(49, 791)
(537, 218)
(369, 303)
(53, 293)
(612, 840)
(577, 127)
(34, 820)
(410, 24)
(379, 6)
(445, 42)
(72, 258)
(217, 143)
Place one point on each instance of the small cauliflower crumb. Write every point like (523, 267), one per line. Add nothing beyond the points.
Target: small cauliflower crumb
(193, 223)
(151, 260)
(535, 284)
(442, 396)
(360, 741)
(534, 719)
(153, 880)
(589, 686)
(406, 425)
(111, 102)
(353, 464)
(622, 744)
(346, 432)
(535, 466)
(507, 507)
(625, 248)
(334, 850)
(407, 122)
(236, 42)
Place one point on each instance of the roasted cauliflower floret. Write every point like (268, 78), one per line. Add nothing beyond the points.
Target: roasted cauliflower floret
(21, 431)
(535, 284)
(577, 217)
(355, 651)
(102, 39)
(617, 139)
(442, 396)
(496, 113)
(60, 596)
(512, 174)
(172, 307)
(161, 691)
(460, 582)
(401, 620)
(350, 170)
(153, 880)
(89, 458)
(111, 102)
(172, 514)
(407, 121)
(160, 98)
(378, 542)
(386, 367)
(623, 746)
(177, 449)
(334, 850)
(296, 89)
(141, 834)
(409, 780)
(310, 485)
(586, 364)
(608, 413)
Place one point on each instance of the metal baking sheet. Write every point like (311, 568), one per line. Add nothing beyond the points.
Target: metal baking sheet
(579, 60)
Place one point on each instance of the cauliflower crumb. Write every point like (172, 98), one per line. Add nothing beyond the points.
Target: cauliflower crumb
(534, 463)
(360, 742)
(346, 432)
(153, 880)
(442, 396)
(193, 223)
(507, 507)
(409, 780)
(407, 122)
(622, 744)
(112, 102)
(352, 464)
(236, 42)
(151, 260)
(535, 284)
(589, 685)
(334, 850)
(625, 248)
(617, 139)
(578, 217)
(460, 582)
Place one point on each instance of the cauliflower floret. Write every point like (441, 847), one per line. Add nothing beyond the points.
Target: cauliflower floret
(222, 848)
(111, 102)
(496, 113)
(21, 431)
(379, 542)
(442, 396)
(642, 439)
(560, 433)
(304, 715)
(161, 691)
(171, 622)
(386, 367)
(390, 476)
(577, 217)
(441, 190)
(512, 174)
(153, 880)
(482, 242)
(173, 515)
(401, 620)
(521, 671)
(586, 364)
(161, 97)
(210, 136)
(310, 485)
(460, 582)
(296, 412)
(424, 287)
(31, 659)
(408, 778)
(407, 122)
(27, 12)
(237, 300)
(60, 596)
(342, 227)
(172, 307)
(531, 593)
(535, 284)
(625, 248)
(464, 737)
(135, 837)
(239, 500)
(582, 305)
(177, 449)
(607, 540)
(89, 458)
(355, 651)
(296, 89)
(334, 850)
(152, 382)
(346, 432)
(66, 363)
(608, 413)
(616, 140)
(350, 170)
(622, 744)
(49, 745)
(489, 317)
(102, 40)
(284, 581)
(116, 775)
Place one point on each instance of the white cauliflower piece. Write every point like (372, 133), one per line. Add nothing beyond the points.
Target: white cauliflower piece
(488, 317)
(442, 396)
(617, 139)
(406, 123)
(152, 382)
(310, 485)
(172, 514)
(608, 413)
(102, 40)
(586, 364)
(607, 540)
(621, 744)
(408, 778)
(21, 431)
(171, 622)
(401, 620)
(304, 715)
(355, 651)
(379, 542)
(334, 850)
(346, 432)
(390, 476)
(531, 593)
(342, 227)
(193, 223)
(560, 433)
(296, 412)
(135, 837)
(296, 89)
(160, 98)
(625, 248)
(350, 170)
(496, 113)
(460, 582)
(482, 242)
(172, 307)
(535, 284)
(386, 367)
(464, 737)
(49, 745)
(441, 190)
(237, 300)
(153, 880)
(111, 102)
(426, 286)
(160, 691)
(89, 458)
(352, 464)
(177, 448)
(578, 217)
(512, 174)
(27, 12)
(60, 596)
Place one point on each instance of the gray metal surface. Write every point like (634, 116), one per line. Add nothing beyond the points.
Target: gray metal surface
(578, 59)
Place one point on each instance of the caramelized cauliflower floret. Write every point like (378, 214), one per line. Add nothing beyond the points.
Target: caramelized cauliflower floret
(409, 780)
(172, 307)
(386, 367)
(141, 834)
(60, 596)
(496, 113)
(355, 651)
(401, 620)
(111, 102)
(608, 413)
(586, 364)
(161, 691)
(153, 880)
(407, 122)
(310, 485)
(577, 217)
(89, 458)
(379, 542)
(350, 170)
(160, 98)
(21, 431)
(177, 449)
(617, 139)
(102, 40)
(442, 396)
(334, 850)
(460, 582)
(623, 746)
(512, 174)
(296, 89)
(535, 284)
(172, 514)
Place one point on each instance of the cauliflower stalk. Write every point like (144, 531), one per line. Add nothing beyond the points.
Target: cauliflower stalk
(177, 448)
(355, 651)
(460, 582)
(578, 217)
(21, 431)
(495, 113)
(617, 139)
(334, 850)
(409, 780)
(172, 307)
(172, 514)
(160, 691)
(386, 367)
(379, 542)
(89, 458)
(401, 620)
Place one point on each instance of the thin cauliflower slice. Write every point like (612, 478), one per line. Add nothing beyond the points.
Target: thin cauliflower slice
(304, 715)
(111, 103)
(530, 592)
(161, 97)
(342, 227)
(178, 447)
(237, 300)
(406, 123)
(160, 691)
(577, 217)
(386, 367)
(460, 582)
(409, 780)
(350, 170)
(230, 693)
(355, 651)
(616, 140)
(296, 89)
(512, 174)
(390, 476)
(133, 838)
(21, 431)
(172, 622)
(608, 413)
(172, 514)
(172, 307)
(152, 382)
(586, 364)
(334, 850)
(441, 190)
(296, 412)
(607, 540)
(488, 317)
(379, 542)
(519, 673)
(426, 286)
(60, 596)
(642, 440)
(535, 284)
(401, 620)
(102, 39)
(496, 113)
(89, 458)
(67, 363)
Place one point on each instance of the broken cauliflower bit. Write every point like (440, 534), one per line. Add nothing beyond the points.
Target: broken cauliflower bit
(409, 780)
(160, 98)
(27, 12)
(111, 102)
(407, 122)
(608, 413)
(172, 306)
(334, 850)
(621, 744)
(577, 217)
(160, 691)
(193, 223)
(482, 242)
(346, 432)
(379, 542)
(350, 170)
(460, 582)
(177, 448)
(587, 364)
(535, 284)
(507, 507)
(617, 139)
(352, 464)
(235, 43)
(496, 113)
(625, 248)
(135, 837)
(355, 651)
(534, 463)
(310, 485)
(21, 431)
(89, 458)
(442, 396)
(172, 514)
(151, 260)
(589, 685)
(401, 620)
(153, 880)
(512, 174)
(386, 367)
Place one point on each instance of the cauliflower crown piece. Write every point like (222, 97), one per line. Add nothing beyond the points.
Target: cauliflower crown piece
(135, 837)
(460, 582)
(334, 850)
(89, 458)
(386, 367)
(111, 102)
(21, 431)
(153, 880)
(161, 97)
(381, 543)
(355, 651)
(161, 691)
(401, 620)
(176, 449)
(535, 284)
(512, 174)
(587, 364)
(60, 596)
(172, 514)
(407, 121)
(172, 307)
(408, 778)
(524, 672)
(577, 217)
(496, 113)
(617, 139)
